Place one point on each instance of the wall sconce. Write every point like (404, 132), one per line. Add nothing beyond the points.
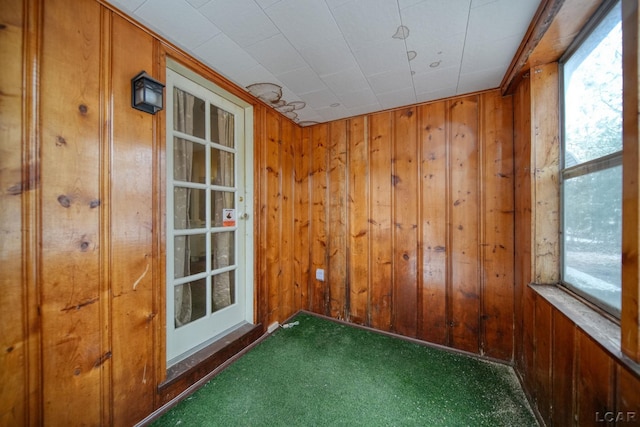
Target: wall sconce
(146, 93)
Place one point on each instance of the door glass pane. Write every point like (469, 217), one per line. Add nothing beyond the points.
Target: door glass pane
(222, 126)
(223, 293)
(220, 200)
(190, 255)
(190, 302)
(189, 208)
(188, 116)
(223, 249)
(593, 234)
(188, 161)
(222, 168)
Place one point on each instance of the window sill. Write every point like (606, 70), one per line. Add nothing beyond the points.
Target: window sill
(601, 329)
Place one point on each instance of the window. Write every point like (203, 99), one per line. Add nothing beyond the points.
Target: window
(592, 162)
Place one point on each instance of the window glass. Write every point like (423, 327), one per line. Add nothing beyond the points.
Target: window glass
(593, 94)
(592, 173)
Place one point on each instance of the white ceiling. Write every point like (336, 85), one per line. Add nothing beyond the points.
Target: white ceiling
(322, 60)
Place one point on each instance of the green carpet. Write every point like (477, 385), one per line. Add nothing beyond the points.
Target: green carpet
(323, 373)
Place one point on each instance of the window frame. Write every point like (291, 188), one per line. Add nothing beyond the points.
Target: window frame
(591, 166)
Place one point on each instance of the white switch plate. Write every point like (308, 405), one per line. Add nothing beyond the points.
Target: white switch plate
(320, 274)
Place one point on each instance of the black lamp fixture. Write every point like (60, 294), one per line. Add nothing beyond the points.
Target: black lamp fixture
(146, 93)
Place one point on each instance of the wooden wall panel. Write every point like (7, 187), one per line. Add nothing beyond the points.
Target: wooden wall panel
(273, 224)
(318, 291)
(594, 382)
(432, 323)
(13, 183)
(381, 257)
(588, 384)
(522, 205)
(302, 218)
(545, 154)
(465, 222)
(405, 221)
(562, 370)
(411, 192)
(337, 219)
(127, 167)
(542, 360)
(358, 208)
(70, 106)
(497, 226)
(286, 294)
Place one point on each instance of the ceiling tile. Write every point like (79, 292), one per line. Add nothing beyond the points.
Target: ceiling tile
(489, 55)
(222, 52)
(387, 56)
(241, 20)
(169, 17)
(198, 3)
(266, 3)
(333, 113)
(357, 98)
(301, 80)
(304, 23)
(319, 99)
(390, 81)
(329, 57)
(367, 22)
(514, 18)
(276, 54)
(480, 80)
(347, 80)
(397, 98)
(127, 5)
(436, 94)
(435, 79)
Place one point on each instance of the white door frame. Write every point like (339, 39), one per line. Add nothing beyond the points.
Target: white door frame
(175, 351)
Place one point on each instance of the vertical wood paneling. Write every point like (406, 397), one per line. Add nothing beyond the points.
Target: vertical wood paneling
(405, 222)
(319, 243)
(358, 208)
(273, 212)
(302, 218)
(337, 218)
(380, 128)
(14, 355)
(594, 382)
(70, 183)
(562, 370)
(627, 396)
(129, 206)
(497, 240)
(434, 230)
(630, 311)
(522, 203)
(542, 361)
(287, 222)
(546, 157)
(261, 309)
(464, 220)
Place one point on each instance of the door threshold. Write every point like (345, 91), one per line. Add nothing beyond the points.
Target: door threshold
(193, 368)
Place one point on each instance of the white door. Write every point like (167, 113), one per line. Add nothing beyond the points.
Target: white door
(209, 245)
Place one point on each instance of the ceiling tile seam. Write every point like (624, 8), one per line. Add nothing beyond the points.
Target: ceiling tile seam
(346, 42)
(137, 8)
(406, 49)
(464, 46)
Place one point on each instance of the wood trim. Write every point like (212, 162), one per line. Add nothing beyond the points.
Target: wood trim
(540, 23)
(553, 28)
(32, 209)
(630, 185)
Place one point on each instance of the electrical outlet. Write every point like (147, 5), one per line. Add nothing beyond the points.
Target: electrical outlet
(320, 274)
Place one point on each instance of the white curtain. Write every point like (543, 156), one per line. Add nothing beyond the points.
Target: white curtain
(222, 284)
(182, 169)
